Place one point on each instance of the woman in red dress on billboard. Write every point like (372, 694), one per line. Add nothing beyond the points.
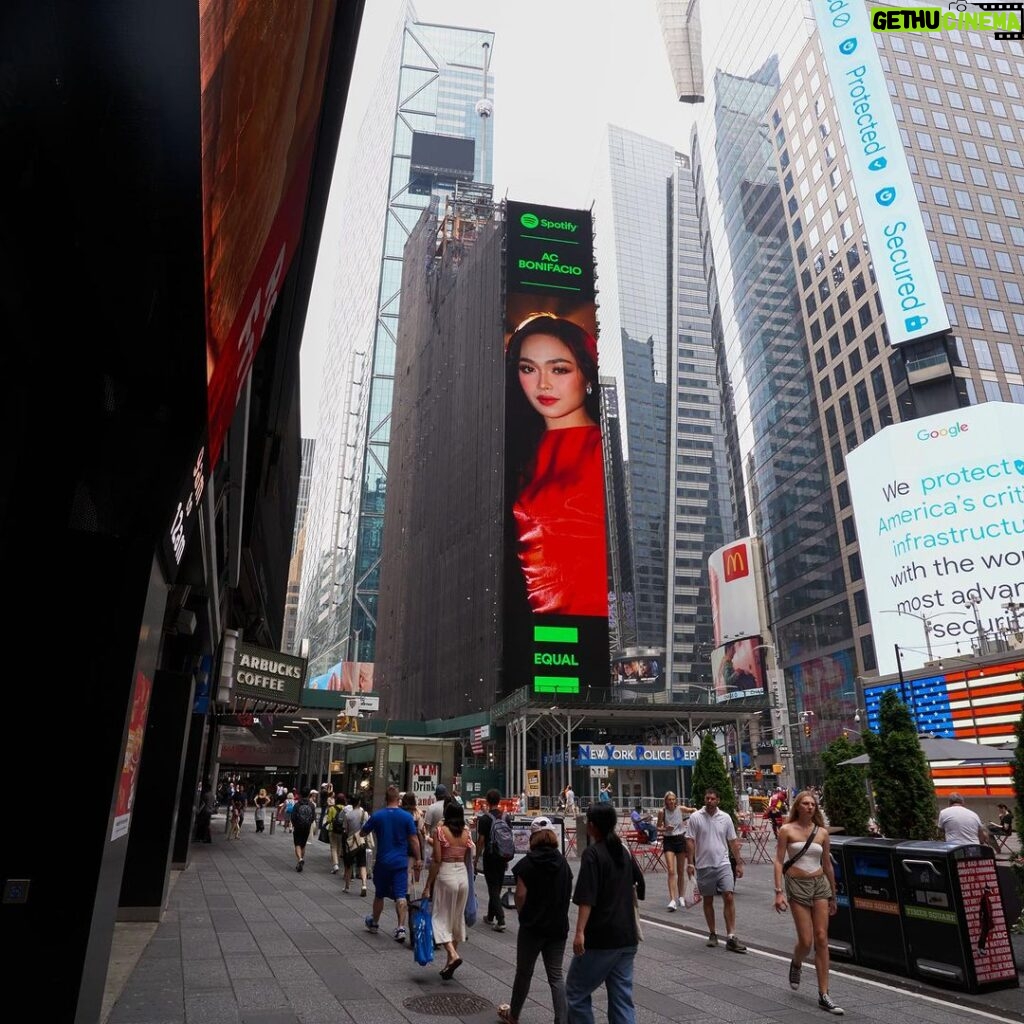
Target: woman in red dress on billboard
(557, 468)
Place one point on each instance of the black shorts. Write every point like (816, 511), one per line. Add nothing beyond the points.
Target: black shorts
(354, 858)
(674, 844)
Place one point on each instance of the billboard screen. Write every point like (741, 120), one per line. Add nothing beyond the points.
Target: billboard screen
(555, 550)
(263, 68)
(447, 156)
(939, 506)
(733, 574)
(345, 677)
(738, 670)
(635, 675)
(907, 280)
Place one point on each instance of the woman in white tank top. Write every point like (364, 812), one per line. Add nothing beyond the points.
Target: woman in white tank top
(672, 820)
(803, 863)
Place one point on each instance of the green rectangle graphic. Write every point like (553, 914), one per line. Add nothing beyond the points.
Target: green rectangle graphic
(556, 634)
(556, 684)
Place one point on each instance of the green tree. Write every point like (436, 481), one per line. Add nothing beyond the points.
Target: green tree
(709, 773)
(904, 793)
(844, 792)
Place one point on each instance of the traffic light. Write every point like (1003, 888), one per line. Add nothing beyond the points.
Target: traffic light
(807, 728)
(846, 734)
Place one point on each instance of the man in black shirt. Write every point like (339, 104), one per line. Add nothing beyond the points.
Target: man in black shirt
(606, 926)
(493, 865)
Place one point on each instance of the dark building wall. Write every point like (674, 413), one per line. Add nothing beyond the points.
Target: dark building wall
(439, 628)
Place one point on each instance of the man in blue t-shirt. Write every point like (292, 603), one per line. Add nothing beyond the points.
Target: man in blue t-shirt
(397, 840)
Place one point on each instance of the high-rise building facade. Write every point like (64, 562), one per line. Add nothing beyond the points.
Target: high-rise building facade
(426, 105)
(291, 601)
(656, 340)
(801, 338)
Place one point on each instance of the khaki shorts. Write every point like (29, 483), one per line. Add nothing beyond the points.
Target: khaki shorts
(807, 890)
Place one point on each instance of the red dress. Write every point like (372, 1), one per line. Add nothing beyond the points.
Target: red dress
(560, 525)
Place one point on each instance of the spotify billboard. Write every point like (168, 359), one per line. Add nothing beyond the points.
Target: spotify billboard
(939, 506)
(907, 280)
(555, 608)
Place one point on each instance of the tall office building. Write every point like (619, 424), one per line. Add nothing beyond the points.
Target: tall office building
(291, 601)
(425, 130)
(656, 340)
(798, 323)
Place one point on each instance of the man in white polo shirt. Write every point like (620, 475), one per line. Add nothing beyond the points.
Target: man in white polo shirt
(959, 824)
(710, 834)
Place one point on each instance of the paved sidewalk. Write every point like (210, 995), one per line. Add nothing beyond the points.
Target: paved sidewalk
(248, 940)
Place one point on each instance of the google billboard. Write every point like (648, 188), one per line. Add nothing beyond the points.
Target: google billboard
(939, 506)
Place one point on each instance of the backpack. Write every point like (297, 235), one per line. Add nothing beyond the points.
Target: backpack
(303, 814)
(500, 842)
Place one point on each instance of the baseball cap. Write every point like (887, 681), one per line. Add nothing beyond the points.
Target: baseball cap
(541, 823)
(440, 792)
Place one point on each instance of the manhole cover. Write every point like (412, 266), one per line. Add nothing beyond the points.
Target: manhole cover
(458, 1004)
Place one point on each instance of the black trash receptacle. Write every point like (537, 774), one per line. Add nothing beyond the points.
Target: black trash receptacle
(952, 915)
(874, 903)
(841, 944)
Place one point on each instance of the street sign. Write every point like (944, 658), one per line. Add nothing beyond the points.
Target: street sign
(777, 742)
(783, 750)
(599, 771)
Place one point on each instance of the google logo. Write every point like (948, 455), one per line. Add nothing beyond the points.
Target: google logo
(954, 431)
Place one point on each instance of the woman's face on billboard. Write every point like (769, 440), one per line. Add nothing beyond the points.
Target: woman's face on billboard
(553, 382)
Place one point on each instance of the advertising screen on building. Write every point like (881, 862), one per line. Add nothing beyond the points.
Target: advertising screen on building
(733, 572)
(642, 674)
(345, 677)
(939, 507)
(907, 280)
(555, 551)
(738, 669)
(263, 68)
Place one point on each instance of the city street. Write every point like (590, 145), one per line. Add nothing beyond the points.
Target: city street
(247, 939)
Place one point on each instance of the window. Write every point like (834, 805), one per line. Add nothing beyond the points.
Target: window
(860, 605)
(972, 315)
(825, 387)
(830, 421)
(992, 390)
(878, 382)
(998, 321)
(856, 363)
(963, 199)
(956, 254)
(849, 530)
(820, 359)
(988, 289)
(854, 566)
(1008, 357)
(871, 346)
(964, 285)
(860, 391)
(980, 257)
(982, 354)
(837, 458)
(846, 410)
(843, 494)
(864, 315)
(939, 195)
(840, 375)
(1013, 293)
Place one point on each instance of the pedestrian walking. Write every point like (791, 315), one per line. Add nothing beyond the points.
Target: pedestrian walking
(303, 819)
(408, 803)
(570, 801)
(335, 822)
(289, 807)
(543, 890)
(448, 884)
(494, 863)
(430, 819)
(204, 814)
(235, 830)
(710, 838)
(672, 819)
(356, 844)
(395, 834)
(260, 814)
(802, 861)
(604, 945)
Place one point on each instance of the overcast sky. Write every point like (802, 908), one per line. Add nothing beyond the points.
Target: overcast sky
(563, 70)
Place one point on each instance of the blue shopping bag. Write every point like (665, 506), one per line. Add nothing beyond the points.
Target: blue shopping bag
(422, 925)
(471, 905)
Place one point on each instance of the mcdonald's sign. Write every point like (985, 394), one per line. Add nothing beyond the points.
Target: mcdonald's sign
(736, 562)
(734, 572)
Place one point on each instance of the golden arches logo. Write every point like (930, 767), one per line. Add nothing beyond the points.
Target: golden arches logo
(736, 563)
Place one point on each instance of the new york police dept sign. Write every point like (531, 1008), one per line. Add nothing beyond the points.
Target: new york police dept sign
(638, 756)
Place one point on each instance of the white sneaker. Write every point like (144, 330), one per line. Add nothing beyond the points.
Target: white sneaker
(671, 905)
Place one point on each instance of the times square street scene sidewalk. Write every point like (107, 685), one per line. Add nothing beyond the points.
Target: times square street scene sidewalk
(247, 940)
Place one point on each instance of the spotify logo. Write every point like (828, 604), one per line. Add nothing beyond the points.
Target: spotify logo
(529, 220)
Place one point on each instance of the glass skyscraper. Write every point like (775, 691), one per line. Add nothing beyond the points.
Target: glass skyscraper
(431, 80)
(656, 340)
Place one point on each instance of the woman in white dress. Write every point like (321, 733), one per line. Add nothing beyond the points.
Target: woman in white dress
(448, 883)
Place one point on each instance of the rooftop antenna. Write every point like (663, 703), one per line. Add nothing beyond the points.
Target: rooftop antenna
(484, 109)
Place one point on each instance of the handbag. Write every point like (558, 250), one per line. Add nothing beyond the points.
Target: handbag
(323, 835)
(472, 909)
(356, 841)
(422, 924)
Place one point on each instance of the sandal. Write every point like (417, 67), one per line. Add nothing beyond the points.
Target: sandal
(505, 1014)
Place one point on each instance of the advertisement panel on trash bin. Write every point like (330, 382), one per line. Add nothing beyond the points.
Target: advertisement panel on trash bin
(991, 953)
